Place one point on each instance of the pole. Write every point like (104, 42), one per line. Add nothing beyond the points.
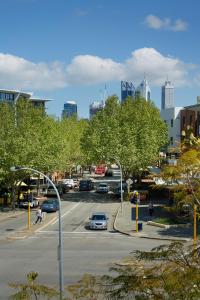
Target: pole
(195, 228)
(29, 215)
(60, 245)
(121, 176)
(136, 217)
(121, 186)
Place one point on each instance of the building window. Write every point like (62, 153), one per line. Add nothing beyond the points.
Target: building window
(171, 140)
(172, 122)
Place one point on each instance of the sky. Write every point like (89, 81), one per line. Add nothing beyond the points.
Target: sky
(68, 50)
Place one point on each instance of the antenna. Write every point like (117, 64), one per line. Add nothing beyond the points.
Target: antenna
(105, 94)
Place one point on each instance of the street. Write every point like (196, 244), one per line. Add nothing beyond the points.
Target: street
(85, 251)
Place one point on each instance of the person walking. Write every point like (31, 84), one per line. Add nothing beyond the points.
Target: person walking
(38, 215)
(151, 208)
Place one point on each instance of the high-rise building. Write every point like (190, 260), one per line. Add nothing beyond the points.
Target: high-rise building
(143, 90)
(167, 95)
(70, 109)
(127, 90)
(12, 96)
(95, 107)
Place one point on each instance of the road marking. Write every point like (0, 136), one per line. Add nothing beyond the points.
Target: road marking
(67, 212)
(73, 232)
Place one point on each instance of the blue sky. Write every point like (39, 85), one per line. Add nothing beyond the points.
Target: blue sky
(69, 49)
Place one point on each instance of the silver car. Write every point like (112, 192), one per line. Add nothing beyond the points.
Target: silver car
(98, 221)
(102, 188)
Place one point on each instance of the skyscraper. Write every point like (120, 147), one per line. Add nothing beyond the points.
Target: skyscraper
(143, 90)
(127, 89)
(167, 95)
(95, 107)
(70, 109)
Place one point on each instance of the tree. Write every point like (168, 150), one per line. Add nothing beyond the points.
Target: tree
(33, 290)
(132, 132)
(166, 272)
(187, 172)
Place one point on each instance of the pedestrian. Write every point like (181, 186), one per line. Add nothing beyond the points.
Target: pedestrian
(38, 215)
(151, 209)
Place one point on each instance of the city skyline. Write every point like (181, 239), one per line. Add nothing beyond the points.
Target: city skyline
(66, 50)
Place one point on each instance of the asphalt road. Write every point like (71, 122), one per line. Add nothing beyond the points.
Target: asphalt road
(85, 251)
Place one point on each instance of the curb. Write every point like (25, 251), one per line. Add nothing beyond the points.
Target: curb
(157, 224)
(139, 235)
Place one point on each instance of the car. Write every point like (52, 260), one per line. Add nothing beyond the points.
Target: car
(102, 188)
(50, 205)
(86, 185)
(33, 203)
(98, 220)
(69, 182)
(109, 172)
(51, 191)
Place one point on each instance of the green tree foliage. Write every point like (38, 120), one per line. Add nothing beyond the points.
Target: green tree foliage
(167, 272)
(187, 171)
(132, 132)
(70, 133)
(32, 290)
(30, 138)
(89, 287)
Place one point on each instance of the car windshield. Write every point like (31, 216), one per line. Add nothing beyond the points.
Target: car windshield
(102, 185)
(98, 217)
(49, 202)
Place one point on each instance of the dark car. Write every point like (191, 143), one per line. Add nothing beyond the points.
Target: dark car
(109, 172)
(86, 185)
(51, 191)
(50, 205)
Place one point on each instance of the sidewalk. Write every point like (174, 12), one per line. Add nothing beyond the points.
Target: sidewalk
(23, 232)
(124, 224)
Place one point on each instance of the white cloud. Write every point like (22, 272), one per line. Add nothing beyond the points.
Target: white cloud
(18, 73)
(88, 69)
(155, 22)
(156, 66)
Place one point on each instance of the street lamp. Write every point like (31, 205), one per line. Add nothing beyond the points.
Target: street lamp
(121, 175)
(60, 245)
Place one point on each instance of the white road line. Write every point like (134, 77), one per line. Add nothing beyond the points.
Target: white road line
(73, 232)
(67, 212)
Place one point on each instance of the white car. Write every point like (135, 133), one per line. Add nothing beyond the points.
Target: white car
(98, 221)
(102, 188)
(69, 182)
(33, 203)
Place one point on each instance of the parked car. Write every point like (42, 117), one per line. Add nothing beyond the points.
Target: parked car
(50, 205)
(33, 203)
(51, 191)
(102, 188)
(69, 182)
(98, 220)
(109, 172)
(86, 185)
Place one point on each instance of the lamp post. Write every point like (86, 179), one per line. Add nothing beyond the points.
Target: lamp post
(60, 245)
(120, 167)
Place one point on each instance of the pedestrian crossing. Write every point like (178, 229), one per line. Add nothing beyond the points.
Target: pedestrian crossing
(78, 235)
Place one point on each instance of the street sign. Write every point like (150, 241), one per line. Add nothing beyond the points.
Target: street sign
(129, 181)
